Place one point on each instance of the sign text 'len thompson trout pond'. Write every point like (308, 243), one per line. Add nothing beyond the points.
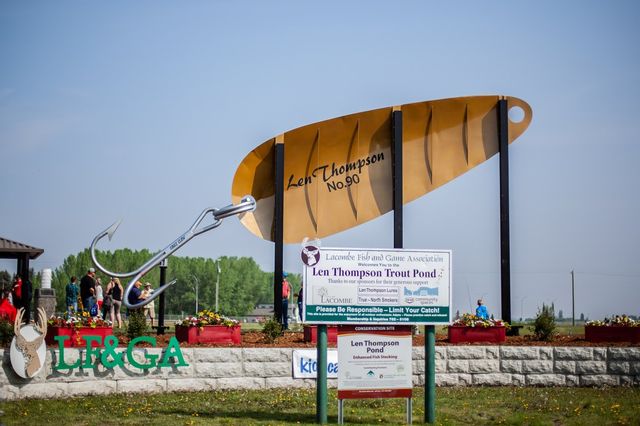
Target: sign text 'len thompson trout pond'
(378, 286)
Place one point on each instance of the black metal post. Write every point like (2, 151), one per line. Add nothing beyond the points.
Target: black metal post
(505, 249)
(27, 287)
(19, 266)
(163, 281)
(23, 267)
(396, 154)
(278, 229)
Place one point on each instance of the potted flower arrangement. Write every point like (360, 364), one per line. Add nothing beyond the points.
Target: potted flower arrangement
(471, 328)
(617, 329)
(311, 333)
(76, 325)
(208, 327)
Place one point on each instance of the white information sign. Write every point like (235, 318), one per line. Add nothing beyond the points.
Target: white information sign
(376, 286)
(375, 362)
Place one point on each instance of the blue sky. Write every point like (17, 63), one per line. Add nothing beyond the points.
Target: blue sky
(143, 111)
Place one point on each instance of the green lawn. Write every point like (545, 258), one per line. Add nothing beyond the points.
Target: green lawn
(502, 405)
(563, 328)
(251, 326)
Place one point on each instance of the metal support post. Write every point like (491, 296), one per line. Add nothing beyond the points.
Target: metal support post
(573, 299)
(278, 219)
(505, 250)
(321, 382)
(217, 283)
(430, 374)
(396, 136)
(163, 280)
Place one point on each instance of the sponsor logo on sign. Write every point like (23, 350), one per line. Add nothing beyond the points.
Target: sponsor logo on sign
(310, 255)
(305, 363)
(327, 298)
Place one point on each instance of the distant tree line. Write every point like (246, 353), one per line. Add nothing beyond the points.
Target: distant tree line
(243, 285)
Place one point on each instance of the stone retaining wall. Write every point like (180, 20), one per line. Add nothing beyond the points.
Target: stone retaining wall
(264, 368)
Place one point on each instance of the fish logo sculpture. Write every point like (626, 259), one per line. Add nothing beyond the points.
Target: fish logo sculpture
(338, 172)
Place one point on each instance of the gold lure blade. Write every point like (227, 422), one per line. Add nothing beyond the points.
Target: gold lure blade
(338, 172)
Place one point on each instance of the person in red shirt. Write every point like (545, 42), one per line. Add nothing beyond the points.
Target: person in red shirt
(17, 292)
(7, 310)
(286, 291)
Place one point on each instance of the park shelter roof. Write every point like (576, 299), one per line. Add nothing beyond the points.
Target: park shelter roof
(13, 250)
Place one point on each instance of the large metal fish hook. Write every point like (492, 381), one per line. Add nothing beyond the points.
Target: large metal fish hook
(246, 204)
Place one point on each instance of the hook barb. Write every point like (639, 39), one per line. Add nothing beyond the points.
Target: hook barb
(113, 228)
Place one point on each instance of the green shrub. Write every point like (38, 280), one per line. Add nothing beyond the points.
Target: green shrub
(137, 324)
(6, 332)
(544, 326)
(271, 329)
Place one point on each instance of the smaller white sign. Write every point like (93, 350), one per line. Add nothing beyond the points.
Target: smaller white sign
(305, 363)
(376, 361)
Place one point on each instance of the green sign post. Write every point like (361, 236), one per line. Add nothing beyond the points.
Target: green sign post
(321, 382)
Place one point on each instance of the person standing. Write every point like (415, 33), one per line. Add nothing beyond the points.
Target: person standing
(135, 295)
(481, 310)
(99, 294)
(71, 291)
(149, 309)
(300, 301)
(93, 309)
(107, 303)
(286, 290)
(16, 292)
(86, 284)
(107, 300)
(115, 290)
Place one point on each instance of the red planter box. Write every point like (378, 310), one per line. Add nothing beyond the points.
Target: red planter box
(612, 334)
(311, 333)
(209, 334)
(75, 339)
(477, 334)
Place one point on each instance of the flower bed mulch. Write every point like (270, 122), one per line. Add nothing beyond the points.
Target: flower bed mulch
(255, 339)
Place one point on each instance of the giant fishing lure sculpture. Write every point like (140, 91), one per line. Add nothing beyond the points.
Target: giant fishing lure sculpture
(338, 172)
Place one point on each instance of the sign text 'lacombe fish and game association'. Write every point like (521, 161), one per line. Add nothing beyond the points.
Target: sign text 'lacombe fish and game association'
(378, 286)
